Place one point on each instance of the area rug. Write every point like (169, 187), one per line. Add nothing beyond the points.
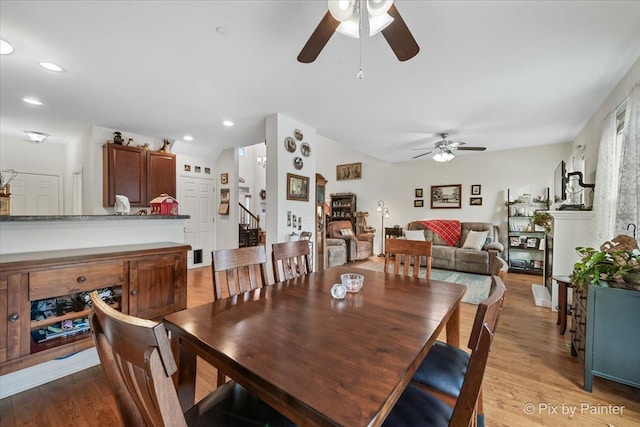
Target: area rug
(478, 286)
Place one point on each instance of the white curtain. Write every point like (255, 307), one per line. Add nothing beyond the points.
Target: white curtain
(606, 189)
(628, 206)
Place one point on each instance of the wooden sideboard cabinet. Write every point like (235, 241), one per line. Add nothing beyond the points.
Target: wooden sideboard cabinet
(604, 333)
(147, 280)
(139, 174)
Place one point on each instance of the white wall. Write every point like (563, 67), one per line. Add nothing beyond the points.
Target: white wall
(227, 225)
(527, 170)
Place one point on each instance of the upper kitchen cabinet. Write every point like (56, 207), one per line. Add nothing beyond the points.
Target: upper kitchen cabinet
(136, 173)
(161, 174)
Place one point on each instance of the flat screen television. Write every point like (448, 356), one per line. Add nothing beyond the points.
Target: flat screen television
(559, 183)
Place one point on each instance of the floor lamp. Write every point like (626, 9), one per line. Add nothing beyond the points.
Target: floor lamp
(384, 213)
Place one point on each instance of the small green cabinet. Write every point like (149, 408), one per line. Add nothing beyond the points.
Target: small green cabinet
(612, 338)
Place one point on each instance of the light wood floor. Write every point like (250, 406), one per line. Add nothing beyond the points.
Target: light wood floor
(529, 364)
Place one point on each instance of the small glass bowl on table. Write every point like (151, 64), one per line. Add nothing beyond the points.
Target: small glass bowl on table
(352, 281)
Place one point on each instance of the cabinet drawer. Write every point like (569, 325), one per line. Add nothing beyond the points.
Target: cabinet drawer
(78, 278)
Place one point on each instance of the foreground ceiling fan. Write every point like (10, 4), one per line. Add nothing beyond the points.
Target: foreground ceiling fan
(344, 17)
(444, 149)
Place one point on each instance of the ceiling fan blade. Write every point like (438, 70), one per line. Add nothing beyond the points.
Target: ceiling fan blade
(423, 154)
(454, 144)
(318, 39)
(471, 148)
(399, 37)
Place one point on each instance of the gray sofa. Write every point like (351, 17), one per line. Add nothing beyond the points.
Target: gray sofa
(447, 257)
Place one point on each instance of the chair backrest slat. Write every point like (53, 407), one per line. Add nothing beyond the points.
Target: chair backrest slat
(137, 360)
(488, 311)
(414, 250)
(290, 260)
(238, 270)
(466, 403)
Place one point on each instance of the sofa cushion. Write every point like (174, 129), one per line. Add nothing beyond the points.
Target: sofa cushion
(476, 226)
(475, 240)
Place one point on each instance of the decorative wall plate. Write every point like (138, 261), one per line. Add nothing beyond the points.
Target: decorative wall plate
(290, 143)
(298, 163)
(305, 149)
(298, 134)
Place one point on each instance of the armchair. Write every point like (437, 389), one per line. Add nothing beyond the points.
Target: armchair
(358, 246)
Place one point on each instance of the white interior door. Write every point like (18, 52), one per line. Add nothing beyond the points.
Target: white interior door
(197, 200)
(36, 194)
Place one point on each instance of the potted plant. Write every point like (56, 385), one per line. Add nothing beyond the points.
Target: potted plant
(543, 219)
(621, 266)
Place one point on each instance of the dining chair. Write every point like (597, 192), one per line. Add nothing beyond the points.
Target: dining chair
(415, 407)
(290, 260)
(410, 250)
(443, 369)
(136, 357)
(238, 270)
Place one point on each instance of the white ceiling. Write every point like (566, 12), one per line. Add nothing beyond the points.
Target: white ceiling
(501, 74)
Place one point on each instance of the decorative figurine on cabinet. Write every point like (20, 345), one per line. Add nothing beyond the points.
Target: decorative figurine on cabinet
(166, 146)
(117, 138)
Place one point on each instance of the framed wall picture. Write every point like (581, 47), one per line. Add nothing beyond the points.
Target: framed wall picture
(446, 196)
(475, 201)
(297, 187)
(418, 203)
(348, 171)
(418, 193)
(475, 190)
(224, 178)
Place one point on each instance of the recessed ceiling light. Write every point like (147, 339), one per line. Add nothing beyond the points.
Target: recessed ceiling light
(51, 66)
(32, 101)
(187, 138)
(5, 47)
(223, 31)
(36, 136)
(227, 123)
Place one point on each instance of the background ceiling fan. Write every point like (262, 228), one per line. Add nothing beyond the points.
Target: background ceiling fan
(444, 148)
(344, 16)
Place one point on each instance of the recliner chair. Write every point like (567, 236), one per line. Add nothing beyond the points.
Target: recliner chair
(358, 246)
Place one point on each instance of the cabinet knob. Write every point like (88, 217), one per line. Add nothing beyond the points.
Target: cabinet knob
(134, 292)
(14, 317)
(82, 279)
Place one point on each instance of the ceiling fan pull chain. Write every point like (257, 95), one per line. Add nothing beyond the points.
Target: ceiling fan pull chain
(360, 74)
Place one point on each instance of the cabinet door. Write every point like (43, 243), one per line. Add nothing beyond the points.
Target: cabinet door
(161, 174)
(124, 173)
(157, 285)
(14, 317)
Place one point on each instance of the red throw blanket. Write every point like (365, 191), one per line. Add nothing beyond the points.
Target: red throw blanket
(448, 229)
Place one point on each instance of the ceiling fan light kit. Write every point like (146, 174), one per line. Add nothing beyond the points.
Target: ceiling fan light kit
(443, 149)
(344, 16)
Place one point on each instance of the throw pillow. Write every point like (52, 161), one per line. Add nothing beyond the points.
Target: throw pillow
(415, 235)
(486, 242)
(475, 240)
(346, 232)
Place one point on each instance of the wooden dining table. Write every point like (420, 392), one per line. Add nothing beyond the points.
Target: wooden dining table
(316, 359)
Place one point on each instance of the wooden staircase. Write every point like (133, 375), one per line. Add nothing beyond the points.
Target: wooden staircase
(249, 232)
